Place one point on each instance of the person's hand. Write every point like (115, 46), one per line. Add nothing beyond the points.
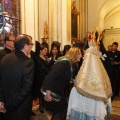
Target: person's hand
(48, 97)
(116, 63)
(2, 109)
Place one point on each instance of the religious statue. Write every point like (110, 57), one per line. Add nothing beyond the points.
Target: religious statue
(45, 30)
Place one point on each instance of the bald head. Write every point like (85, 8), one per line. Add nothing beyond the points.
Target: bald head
(24, 42)
(20, 42)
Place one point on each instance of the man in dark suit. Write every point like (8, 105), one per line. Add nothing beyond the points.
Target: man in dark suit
(9, 46)
(16, 79)
(115, 61)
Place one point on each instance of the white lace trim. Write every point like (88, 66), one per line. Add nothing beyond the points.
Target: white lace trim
(87, 105)
(89, 113)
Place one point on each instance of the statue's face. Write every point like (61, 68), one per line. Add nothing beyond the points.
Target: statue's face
(89, 36)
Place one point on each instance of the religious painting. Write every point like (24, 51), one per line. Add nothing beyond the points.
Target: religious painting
(74, 22)
(74, 25)
(9, 18)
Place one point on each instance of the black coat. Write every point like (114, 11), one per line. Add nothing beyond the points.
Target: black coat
(57, 80)
(44, 69)
(107, 65)
(115, 57)
(16, 78)
(4, 52)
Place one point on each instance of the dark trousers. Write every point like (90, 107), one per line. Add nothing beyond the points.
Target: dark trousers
(59, 116)
(1, 116)
(68, 89)
(115, 81)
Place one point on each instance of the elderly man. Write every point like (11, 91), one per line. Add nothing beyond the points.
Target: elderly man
(16, 79)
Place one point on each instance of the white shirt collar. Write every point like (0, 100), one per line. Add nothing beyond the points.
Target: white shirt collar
(24, 52)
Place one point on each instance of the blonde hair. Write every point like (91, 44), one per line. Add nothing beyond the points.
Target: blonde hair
(72, 54)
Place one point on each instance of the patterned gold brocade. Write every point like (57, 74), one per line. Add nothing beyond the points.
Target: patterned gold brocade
(92, 79)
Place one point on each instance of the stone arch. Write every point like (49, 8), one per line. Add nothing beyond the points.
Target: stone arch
(107, 7)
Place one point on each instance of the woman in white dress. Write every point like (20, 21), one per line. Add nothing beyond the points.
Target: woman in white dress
(90, 98)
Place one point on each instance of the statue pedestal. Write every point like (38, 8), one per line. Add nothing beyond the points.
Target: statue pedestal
(44, 39)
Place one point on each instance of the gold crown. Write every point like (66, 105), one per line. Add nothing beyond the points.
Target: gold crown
(96, 41)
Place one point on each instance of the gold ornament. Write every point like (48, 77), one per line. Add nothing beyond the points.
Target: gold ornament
(96, 41)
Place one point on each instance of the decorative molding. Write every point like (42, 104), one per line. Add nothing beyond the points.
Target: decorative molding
(112, 31)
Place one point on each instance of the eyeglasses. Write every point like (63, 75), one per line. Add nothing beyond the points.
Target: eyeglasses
(31, 44)
(10, 40)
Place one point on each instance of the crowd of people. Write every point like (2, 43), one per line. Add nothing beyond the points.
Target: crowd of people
(83, 75)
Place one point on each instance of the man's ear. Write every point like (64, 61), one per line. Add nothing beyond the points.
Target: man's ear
(25, 46)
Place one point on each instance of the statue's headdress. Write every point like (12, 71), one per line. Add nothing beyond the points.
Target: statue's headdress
(96, 36)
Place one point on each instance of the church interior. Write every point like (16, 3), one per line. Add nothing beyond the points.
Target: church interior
(33, 16)
(65, 21)
(57, 14)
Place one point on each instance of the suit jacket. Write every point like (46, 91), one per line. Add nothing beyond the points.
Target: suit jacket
(16, 78)
(32, 55)
(4, 52)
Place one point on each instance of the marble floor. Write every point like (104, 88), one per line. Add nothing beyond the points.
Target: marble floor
(40, 116)
(115, 113)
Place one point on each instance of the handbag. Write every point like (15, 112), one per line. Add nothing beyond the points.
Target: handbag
(55, 97)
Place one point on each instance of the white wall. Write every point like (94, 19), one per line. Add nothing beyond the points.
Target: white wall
(112, 21)
(105, 14)
(33, 15)
(29, 18)
(94, 7)
(109, 39)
